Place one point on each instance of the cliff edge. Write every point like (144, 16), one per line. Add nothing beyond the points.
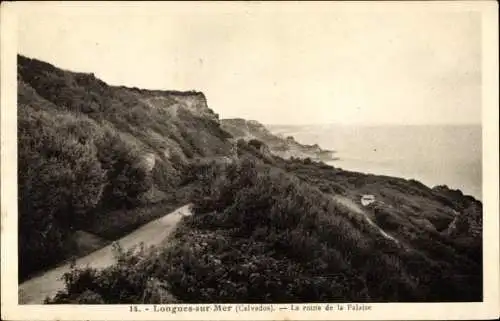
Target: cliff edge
(285, 147)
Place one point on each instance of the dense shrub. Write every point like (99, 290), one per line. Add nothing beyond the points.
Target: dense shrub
(60, 181)
(126, 178)
(128, 281)
(257, 144)
(69, 167)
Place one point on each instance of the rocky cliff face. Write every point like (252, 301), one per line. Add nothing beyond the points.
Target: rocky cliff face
(170, 125)
(285, 147)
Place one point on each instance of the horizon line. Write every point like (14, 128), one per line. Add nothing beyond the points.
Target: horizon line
(370, 124)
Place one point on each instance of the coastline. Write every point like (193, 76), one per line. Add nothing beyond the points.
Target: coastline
(425, 153)
(372, 167)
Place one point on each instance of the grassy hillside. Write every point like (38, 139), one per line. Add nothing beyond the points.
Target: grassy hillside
(274, 232)
(103, 160)
(89, 152)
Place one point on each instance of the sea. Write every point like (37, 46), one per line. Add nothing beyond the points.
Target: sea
(432, 154)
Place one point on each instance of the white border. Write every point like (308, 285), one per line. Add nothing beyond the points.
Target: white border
(389, 311)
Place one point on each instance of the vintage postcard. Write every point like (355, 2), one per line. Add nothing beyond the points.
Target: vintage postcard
(249, 160)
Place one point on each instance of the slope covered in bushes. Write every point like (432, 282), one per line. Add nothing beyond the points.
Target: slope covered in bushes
(87, 150)
(268, 233)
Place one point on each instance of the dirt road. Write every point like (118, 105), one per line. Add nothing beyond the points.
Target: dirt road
(35, 290)
(357, 209)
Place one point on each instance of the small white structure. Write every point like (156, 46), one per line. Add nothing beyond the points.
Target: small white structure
(147, 161)
(367, 199)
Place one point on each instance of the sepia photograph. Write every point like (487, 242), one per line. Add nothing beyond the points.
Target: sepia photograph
(259, 157)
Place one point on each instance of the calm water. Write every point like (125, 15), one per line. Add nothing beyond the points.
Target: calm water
(434, 155)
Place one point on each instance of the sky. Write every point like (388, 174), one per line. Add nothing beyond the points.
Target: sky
(293, 63)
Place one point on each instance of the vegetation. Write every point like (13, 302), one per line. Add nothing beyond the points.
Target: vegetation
(128, 281)
(106, 159)
(260, 234)
(83, 156)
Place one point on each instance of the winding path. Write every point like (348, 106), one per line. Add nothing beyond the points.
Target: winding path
(358, 210)
(35, 290)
